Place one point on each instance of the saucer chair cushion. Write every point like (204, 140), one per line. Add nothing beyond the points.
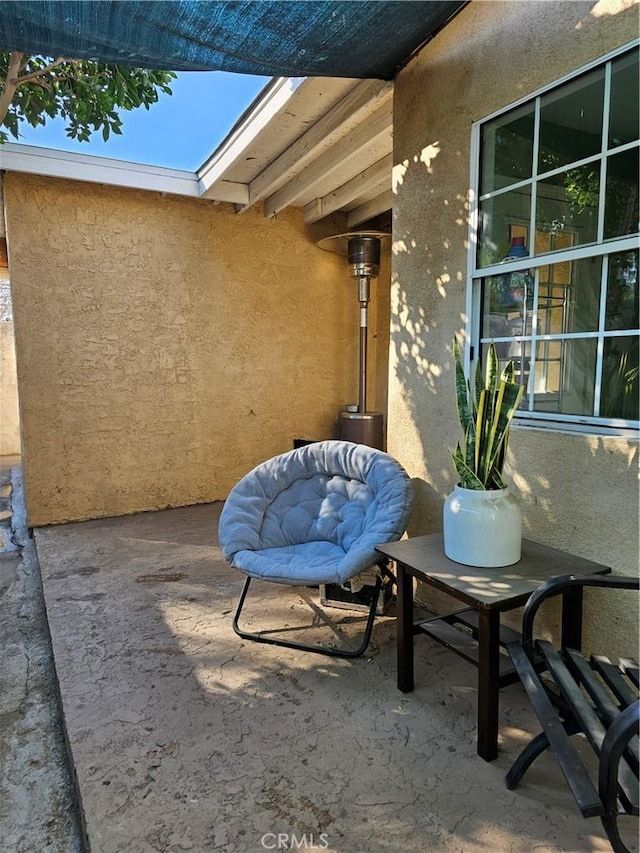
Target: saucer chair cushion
(314, 515)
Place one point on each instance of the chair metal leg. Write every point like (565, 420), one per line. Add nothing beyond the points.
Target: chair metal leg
(322, 650)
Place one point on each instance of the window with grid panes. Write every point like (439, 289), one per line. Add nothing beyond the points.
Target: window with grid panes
(556, 265)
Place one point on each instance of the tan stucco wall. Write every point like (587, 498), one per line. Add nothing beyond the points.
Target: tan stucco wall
(578, 492)
(165, 345)
(9, 419)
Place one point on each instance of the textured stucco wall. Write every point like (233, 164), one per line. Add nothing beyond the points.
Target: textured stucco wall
(165, 345)
(578, 492)
(9, 419)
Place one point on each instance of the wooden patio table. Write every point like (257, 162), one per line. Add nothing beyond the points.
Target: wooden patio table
(475, 633)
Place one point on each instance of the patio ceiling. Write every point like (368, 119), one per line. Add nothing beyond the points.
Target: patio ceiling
(324, 144)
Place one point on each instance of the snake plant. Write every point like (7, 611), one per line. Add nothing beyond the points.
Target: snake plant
(485, 413)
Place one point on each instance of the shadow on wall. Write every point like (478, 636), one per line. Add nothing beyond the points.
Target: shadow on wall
(432, 220)
(424, 319)
(546, 487)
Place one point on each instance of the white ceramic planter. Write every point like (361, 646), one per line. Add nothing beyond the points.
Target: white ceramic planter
(482, 528)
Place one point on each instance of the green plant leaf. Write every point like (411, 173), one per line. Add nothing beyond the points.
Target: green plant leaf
(468, 478)
(462, 388)
(478, 382)
(491, 379)
(480, 429)
(485, 415)
(509, 396)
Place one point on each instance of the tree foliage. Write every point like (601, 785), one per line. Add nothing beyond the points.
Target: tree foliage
(88, 95)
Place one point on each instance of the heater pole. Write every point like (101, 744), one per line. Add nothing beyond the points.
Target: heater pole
(363, 296)
(363, 250)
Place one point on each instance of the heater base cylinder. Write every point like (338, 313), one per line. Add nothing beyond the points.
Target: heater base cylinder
(363, 428)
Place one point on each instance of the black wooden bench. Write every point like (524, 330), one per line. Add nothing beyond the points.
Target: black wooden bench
(594, 697)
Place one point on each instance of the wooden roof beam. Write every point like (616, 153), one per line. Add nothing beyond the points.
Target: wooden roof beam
(376, 177)
(361, 102)
(372, 208)
(380, 125)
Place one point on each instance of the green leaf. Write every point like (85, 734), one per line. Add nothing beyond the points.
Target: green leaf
(88, 95)
(492, 368)
(485, 416)
(462, 388)
(509, 396)
(468, 478)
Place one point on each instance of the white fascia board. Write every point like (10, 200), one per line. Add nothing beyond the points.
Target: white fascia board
(98, 170)
(266, 107)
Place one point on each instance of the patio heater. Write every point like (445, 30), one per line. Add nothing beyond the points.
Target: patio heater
(362, 249)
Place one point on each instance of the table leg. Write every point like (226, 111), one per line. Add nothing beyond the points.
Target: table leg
(572, 619)
(488, 682)
(404, 629)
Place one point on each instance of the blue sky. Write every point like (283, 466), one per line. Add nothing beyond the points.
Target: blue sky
(180, 131)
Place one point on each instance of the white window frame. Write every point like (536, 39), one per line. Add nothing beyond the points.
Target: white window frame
(546, 420)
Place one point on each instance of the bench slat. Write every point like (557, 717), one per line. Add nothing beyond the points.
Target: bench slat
(602, 699)
(589, 721)
(588, 678)
(568, 758)
(615, 679)
(630, 668)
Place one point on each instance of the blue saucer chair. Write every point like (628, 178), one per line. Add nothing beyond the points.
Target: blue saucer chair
(313, 516)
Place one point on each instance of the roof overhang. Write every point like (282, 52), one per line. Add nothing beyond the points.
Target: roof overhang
(321, 144)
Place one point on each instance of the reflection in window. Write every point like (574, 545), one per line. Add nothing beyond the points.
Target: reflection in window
(621, 198)
(565, 376)
(622, 292)
(507, 150)
(570, 200)
(571, 122)
(496, 214)
(625, 100)
(559, 322)
(620, 370)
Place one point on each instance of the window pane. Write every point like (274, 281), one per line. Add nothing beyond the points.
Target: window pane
(623, 120)
(548, 376)
(571, 122)
(569, 297)
(505, 311)
(622, 292)
(569, 201)
(497, 218)
(565, 376)
(570, 326)
(620, 378)
(621, 200)
(507, 149)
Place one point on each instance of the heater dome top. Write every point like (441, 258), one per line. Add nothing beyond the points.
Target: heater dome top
(339, 243)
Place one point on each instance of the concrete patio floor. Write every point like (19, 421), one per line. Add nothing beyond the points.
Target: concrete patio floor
(185, 737)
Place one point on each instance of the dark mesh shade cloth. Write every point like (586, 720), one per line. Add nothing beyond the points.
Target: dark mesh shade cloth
(265, 37)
